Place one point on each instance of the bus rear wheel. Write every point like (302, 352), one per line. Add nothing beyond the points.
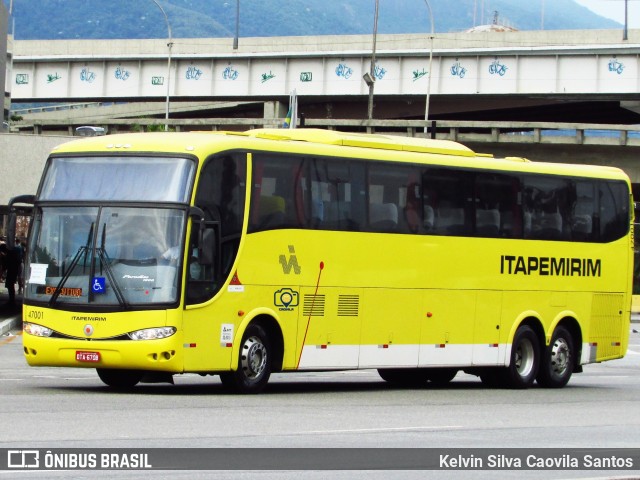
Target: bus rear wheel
(121, 379)
(557, 361)
(525, 358)
(254, 363)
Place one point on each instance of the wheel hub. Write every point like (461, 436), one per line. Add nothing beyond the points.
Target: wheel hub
(524, 358)
(254, 357)
(560, 356)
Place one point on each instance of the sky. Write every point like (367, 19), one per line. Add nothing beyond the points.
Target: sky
(614, 9)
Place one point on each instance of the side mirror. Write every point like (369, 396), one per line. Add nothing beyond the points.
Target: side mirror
(206, 245)
(11, 227)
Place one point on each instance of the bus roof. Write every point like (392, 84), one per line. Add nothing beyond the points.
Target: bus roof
(365, 140)
(318, 141)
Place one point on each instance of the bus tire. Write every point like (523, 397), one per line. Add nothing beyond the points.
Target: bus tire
(525, 358)
(557, 361)
(404, 377)
(440, 377)
(121, 379)
(254, 363)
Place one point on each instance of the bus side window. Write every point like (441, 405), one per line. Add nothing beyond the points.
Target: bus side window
(614, 210)
(583, 212)
(451, 196)
(545, 216)
(276, 194)
(497, 213)
(334, 194)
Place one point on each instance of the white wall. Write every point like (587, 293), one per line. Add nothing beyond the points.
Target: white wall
(22, 159)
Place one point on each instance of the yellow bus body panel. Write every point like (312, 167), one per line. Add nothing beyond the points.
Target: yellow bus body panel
(364, 300)
(161, 355)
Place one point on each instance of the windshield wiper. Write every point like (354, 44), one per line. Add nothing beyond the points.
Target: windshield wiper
(83, 251)
(105, 262)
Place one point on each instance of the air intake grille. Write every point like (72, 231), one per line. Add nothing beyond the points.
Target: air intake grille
(313, 306)
(348, 305)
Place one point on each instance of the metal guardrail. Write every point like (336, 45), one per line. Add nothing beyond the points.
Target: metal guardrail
(463, 131)
(56, 108)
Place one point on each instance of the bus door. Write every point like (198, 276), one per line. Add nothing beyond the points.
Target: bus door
(220, 197)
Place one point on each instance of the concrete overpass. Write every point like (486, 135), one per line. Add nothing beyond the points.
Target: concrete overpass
(471, 72)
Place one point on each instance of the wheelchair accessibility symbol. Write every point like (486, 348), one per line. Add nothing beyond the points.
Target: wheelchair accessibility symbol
(98, 285)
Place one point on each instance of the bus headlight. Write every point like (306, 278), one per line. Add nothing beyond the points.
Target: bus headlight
(36, 330)
(152, 333)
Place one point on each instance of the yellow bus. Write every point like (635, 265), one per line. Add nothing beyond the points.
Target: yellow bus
(273, 250)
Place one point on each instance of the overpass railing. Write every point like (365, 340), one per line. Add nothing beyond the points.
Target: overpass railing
(462, 131)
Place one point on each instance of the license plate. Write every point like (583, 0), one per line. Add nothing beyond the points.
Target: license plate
(91, 357)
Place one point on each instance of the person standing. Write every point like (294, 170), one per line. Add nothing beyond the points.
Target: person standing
(11, 261)
(21, 249)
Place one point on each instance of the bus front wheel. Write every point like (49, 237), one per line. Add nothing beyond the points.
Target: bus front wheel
(557, 361)
(525, 358)
(254, 363)
(121, 379)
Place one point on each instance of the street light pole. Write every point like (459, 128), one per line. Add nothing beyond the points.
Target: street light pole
(237, 34)
(625, 36)
(370, 80)
(426, 108)
(169, 45)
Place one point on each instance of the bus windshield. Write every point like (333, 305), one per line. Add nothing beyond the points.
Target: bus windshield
(106, 256)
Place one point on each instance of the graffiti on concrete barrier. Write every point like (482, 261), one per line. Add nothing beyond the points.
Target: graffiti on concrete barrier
(497, 68)
(342, 70)
(87, 75)
(193, 73)
(230, 73)
(121, 73)
(52, 77)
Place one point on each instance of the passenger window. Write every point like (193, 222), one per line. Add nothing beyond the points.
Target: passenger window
(497, 213)
(275, 201)
(336, 194)
(447, 201)
(614, 210)
(544, 201)
(394, 198)
(583, 212)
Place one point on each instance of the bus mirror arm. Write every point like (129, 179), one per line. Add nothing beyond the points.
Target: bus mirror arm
(11, 227)
(197, 213)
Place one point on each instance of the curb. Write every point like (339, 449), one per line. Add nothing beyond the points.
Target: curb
(9, 324)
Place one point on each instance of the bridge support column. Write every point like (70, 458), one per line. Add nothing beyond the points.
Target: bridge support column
(275, 109)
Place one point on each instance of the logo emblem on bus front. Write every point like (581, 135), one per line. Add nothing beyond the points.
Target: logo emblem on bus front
(88, 330)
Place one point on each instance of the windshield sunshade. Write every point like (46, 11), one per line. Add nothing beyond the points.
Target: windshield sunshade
(118, 178)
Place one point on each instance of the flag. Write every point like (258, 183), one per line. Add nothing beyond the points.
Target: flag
(292, 114)
(287, 120)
